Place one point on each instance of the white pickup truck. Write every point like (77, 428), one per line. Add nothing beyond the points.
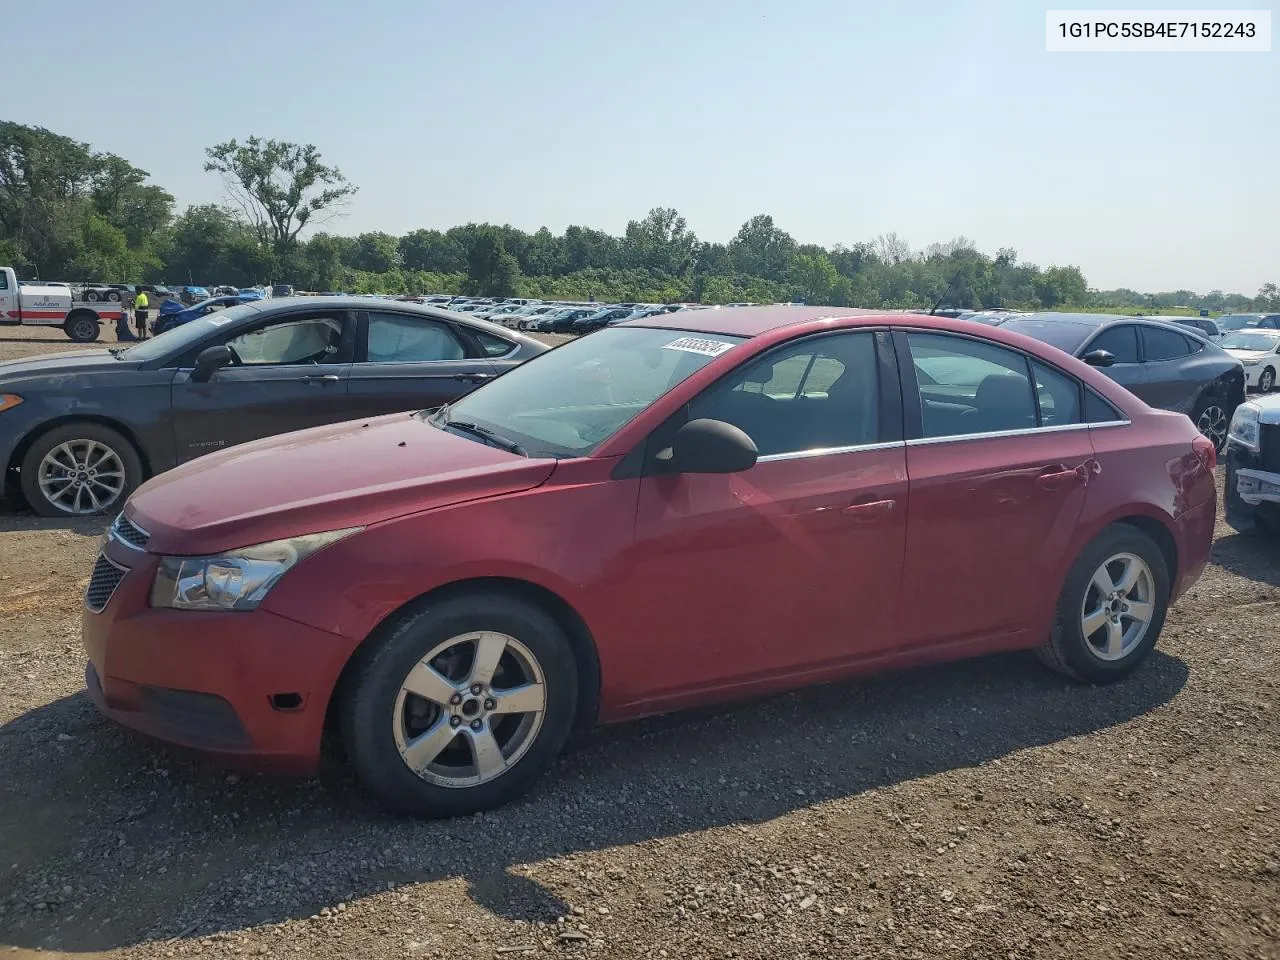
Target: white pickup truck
(50, 305)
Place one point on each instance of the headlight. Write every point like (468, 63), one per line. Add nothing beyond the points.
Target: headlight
(1244, 427)
(1251, 363)
(9, 401)
(236, 580)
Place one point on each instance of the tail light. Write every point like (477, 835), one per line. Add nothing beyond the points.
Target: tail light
(1206, 451)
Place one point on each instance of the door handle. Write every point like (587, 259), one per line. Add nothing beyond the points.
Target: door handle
(473, 377)
(326, 378)
(1059, 476)
(870, 510)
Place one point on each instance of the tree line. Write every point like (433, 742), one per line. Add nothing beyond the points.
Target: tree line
(70, 213)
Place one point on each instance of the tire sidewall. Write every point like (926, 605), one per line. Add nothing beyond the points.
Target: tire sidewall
(85, 431)
(1071, 640)
(75, 323)
(368, 707)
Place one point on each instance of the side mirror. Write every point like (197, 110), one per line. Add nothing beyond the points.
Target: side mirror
(712, 446)
(1099, 358)
(209, 361)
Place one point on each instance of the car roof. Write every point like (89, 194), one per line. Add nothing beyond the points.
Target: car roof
(750, 321)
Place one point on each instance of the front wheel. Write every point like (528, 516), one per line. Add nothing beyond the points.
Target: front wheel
(1267, 381)
(92, 296)
(79, 469)
(461, 705)
(1111, 609)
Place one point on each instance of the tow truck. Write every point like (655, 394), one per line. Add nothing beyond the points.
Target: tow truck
(37, 304)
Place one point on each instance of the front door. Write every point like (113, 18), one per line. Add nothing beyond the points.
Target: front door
(287, 374)
(1121, 341)
(998, 466)
(410, 362)
(790, 568)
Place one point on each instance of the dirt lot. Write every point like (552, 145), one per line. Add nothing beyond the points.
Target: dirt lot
(983, 809)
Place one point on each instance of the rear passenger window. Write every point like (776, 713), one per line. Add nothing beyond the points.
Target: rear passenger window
(1158, 344)
(493, 346)
(1097, 410)
(1121, 342)
(1058, 395)
(968, 386)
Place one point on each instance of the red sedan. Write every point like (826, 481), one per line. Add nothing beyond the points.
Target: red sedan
(684, 509)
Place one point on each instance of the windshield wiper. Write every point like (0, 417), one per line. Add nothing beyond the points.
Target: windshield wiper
(487, 435)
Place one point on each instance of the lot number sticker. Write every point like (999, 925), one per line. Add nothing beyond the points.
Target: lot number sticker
(708, 348)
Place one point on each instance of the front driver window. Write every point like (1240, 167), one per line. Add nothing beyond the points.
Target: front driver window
(303, 340)
(820, 393)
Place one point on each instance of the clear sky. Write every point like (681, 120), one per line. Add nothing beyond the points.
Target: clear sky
(843, 119)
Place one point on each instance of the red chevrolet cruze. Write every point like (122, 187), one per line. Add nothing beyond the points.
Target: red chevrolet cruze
(685, 509)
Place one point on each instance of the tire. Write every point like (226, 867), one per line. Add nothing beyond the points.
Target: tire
(82, 327)
(92, 296)
(1267, 380)
(114, 296)
(1091, 659)
(379, 720)
(84, 444)
(1212, 420)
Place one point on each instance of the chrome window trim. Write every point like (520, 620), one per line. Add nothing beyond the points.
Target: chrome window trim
(830, 451)
(1027, 432)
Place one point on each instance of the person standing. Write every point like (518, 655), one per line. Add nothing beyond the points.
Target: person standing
(140, 305)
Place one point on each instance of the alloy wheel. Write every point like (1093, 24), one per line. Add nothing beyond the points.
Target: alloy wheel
(1267, 381)
(1118, 606)
(81, 476)
(1213, 423)
(470, 709)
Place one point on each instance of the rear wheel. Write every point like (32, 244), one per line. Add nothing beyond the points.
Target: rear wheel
(1267, 381)
(92, 296)
(114, 295)
(461, 705)
(82, 327)
(79, 469)
(1210, 418)
(1111, 609)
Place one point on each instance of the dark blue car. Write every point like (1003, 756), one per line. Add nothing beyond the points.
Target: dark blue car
(174, 314)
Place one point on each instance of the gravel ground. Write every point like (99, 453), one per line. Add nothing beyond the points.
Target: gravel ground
(982, 809)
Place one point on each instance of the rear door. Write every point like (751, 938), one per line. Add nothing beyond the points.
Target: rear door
(998, 463)
(407, 361)
(1121, 341)
(290, 372)
(1174, 379)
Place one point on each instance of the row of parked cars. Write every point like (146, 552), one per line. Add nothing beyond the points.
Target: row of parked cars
(436, 541)
(558, 316)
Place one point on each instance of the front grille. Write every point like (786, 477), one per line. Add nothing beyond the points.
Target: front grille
(129, 532)
(1269, 444)
(102, 584)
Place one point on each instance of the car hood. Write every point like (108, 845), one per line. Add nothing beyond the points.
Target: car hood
(53, 364)
(1247, 354)
(327, 478)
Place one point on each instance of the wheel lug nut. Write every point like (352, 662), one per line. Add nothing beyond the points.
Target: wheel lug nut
(455, 721)
(476, 724)
(490, 703)
(456, 699)
(476, 688)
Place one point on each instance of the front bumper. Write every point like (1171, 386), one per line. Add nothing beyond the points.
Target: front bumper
(250, 689)
(1250, 494)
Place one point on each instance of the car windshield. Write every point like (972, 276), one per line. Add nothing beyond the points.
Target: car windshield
(1237, 321)
(1250, 341)
(1063, 334)
(179, 338)
(568, 401)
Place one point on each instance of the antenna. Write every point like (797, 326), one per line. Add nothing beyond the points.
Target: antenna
(946, 292)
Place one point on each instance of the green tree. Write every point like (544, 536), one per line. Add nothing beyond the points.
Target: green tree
(280, 187)
(376, 253)
(813, 277)
(661, 242)
(431, 250)
(491, 270)
(761, 249)
(1059, 286)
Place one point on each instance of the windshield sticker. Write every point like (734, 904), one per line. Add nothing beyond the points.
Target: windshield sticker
(708, 348)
